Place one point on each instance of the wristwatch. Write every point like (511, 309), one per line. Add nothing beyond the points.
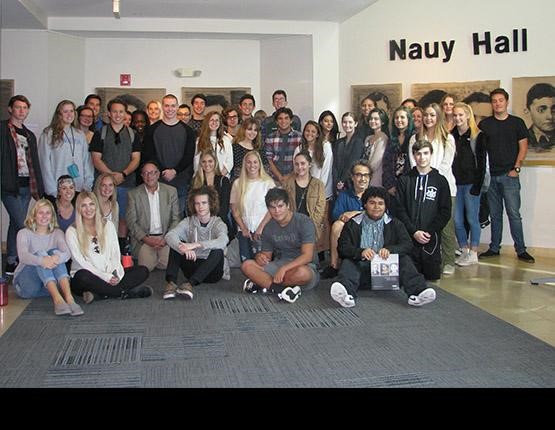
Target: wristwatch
(516, 169)
(125, 175)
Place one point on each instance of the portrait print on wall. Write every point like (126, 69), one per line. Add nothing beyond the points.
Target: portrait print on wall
(533, 99)
(386, 96)
(474, 93)
(216, 98)
(136, 98)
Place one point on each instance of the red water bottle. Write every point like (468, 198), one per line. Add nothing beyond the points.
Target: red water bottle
(3, 292)
(126, 261)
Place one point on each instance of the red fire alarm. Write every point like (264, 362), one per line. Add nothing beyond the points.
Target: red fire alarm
(125, 79)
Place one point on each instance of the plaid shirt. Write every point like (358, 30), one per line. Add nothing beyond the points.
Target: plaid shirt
(280, 148)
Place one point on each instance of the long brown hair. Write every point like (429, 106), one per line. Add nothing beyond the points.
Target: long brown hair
(204, 135)
(57, 125)
(318, 153)
(245, 125)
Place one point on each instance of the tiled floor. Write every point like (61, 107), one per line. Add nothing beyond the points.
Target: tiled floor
(499, 286)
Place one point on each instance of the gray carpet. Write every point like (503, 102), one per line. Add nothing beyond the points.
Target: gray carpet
(225, 338)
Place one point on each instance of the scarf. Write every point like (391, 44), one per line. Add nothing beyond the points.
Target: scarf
(372, 233)
(32, 176)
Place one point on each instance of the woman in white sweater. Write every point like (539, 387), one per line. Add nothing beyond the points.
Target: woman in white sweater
(212, 137)
(42, 253)
(96, 268)
(63, 150)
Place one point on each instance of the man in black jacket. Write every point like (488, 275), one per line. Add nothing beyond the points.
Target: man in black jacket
(424, 206)
(21, 174)
(372, 233)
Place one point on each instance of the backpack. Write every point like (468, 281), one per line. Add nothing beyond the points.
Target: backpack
(104, 130)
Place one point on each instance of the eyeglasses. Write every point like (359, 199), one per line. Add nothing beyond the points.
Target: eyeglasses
(362, 175)
(95, 243)
(150, 173)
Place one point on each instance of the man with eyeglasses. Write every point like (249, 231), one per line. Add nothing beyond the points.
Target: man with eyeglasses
(347, 205)
(171, 143)
(116, 149)
(148, 228)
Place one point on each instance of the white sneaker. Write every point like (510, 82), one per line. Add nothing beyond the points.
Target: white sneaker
(448, 269)
(290, 294)
(460, 261)
(459, 252)
(426, 296)
(339, 293)
(472, 258)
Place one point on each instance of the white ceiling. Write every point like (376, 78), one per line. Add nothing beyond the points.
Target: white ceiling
(35, 13)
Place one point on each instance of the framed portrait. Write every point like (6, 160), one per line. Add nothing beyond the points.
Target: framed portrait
(6, 93)
(386, 96)
(136, 98)
(474, 93)
(217, 98)
(533, 99)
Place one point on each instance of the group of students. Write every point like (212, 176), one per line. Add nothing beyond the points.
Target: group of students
(260, 181)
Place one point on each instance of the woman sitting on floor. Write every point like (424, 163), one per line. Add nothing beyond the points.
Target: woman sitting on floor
(96, 271)
(42, 252)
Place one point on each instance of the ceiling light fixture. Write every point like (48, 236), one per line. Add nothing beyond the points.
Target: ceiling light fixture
(115, 8)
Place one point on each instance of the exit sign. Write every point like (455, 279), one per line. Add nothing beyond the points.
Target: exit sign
(125, 79)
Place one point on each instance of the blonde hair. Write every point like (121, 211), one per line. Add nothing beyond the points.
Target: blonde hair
(199, 179)
(112, 198)
(474, 130)
(82, 235)
(244, 179)
(31, 222)
(440, 131)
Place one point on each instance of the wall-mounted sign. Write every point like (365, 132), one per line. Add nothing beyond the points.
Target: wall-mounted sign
(125, 79)
(482, 44)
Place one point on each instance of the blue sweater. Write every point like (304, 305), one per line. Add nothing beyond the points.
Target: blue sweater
(346, 201)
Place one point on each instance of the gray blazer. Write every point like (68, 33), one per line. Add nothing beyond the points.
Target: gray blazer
(138, 213)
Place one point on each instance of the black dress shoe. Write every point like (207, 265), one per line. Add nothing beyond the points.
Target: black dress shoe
(488, 253)
(139, 292)
(524, 256)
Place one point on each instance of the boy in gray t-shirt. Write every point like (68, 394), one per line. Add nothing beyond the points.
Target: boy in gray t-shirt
(289, 239)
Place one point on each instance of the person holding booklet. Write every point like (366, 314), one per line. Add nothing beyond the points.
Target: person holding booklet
(373, 232)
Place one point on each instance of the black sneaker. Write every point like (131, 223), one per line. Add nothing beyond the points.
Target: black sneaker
(485, 223)
(139, 292)
(488, 253)
(524, 256)
(10, 268)
(251, 288)
(329, 272)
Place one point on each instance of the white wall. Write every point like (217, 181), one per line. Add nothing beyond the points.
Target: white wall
(286, 63)
(364, 59)
(151, 62)
(47, 67)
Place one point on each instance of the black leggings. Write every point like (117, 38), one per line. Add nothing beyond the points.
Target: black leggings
(83, 280)
(209, 270)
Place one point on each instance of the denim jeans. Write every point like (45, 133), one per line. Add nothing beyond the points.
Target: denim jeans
(16, 206)
(505, 189)
(247, 248)
(32, 280)
(467, 206)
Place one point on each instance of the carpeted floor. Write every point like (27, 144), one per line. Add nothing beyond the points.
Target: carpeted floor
(225, 338)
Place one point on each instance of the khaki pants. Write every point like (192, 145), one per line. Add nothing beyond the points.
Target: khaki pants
(153, 258)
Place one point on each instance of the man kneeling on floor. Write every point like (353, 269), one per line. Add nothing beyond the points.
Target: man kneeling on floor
(373, 232)
(197, 244)
(289, 238)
